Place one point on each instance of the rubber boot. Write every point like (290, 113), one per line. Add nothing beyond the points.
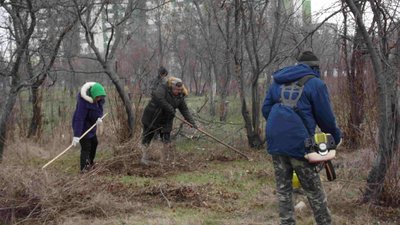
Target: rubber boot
(171, 153)
(145, 157)
(165, 153)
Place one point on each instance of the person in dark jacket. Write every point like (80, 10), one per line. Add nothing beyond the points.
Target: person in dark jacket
(161, 78)
(286, 133)
(89, 110)
(160, 112)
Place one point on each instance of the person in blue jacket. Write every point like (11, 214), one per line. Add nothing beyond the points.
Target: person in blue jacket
(89, 110)
(286, 132)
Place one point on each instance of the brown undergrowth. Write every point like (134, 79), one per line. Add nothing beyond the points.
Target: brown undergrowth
(203, 181)
(29, 195)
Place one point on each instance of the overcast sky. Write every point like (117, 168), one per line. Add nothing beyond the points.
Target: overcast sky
(324, 8)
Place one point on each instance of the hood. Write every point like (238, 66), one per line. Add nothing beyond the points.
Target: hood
(90, 90)
(292, 73)
(84, 91)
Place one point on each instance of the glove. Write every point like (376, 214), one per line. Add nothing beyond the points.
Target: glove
(75, 141)
(99, 121)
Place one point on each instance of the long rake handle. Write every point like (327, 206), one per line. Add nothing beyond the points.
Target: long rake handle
(62, 153)
(216, 139)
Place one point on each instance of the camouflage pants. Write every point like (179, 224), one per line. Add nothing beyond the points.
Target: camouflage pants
(310, 182)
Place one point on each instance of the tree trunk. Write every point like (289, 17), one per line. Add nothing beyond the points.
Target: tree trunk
(227, 54)
(25, 30)
(388, 142)
(108, 60)
(195, 80)
(36, 120)
(255, 100)
(388, 111)
(355, 85)
(223, 107)
(160, 43)
(6, 112)
(253, 136)
(213, 89)
(36, 100)
(124, 97)
(205, 29)
(251, 33)
(72, 78)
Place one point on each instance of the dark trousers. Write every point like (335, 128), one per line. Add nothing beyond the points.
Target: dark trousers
(88, 151)
(149, 132)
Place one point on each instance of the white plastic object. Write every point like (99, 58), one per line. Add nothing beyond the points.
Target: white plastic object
(314, 157)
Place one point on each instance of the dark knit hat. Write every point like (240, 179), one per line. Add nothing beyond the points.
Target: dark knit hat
(162, 71)
(308, 57)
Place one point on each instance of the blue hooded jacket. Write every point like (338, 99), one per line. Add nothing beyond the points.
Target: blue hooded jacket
(285, 130)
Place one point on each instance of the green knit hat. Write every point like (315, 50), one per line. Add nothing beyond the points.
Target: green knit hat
(97, 90)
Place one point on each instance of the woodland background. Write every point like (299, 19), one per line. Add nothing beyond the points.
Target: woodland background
(225, 52)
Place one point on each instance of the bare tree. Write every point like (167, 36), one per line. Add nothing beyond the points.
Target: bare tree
(50, 34)
(89, 13)
(206, 31)
(256, 42)
(161, 43)
(355, 81)
(21, 26)
(261, 43)
(223, 19)
(387, 79)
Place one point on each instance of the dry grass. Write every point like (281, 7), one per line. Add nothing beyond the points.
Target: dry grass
(391, 189)
(30, 194)
(207, 184)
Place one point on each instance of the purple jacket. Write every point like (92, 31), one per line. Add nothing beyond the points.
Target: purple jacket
(85, 116)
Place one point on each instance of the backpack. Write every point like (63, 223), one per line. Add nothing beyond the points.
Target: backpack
(290, 95)
(294, 90)
(287, 129)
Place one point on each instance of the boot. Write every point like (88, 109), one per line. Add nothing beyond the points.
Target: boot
(86, 168)
(166, 154)
(145, 161)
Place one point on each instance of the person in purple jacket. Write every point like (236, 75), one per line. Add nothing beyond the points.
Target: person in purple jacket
(89, 110)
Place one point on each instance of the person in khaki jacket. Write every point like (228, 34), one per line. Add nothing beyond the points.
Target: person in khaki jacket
(159, 115)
